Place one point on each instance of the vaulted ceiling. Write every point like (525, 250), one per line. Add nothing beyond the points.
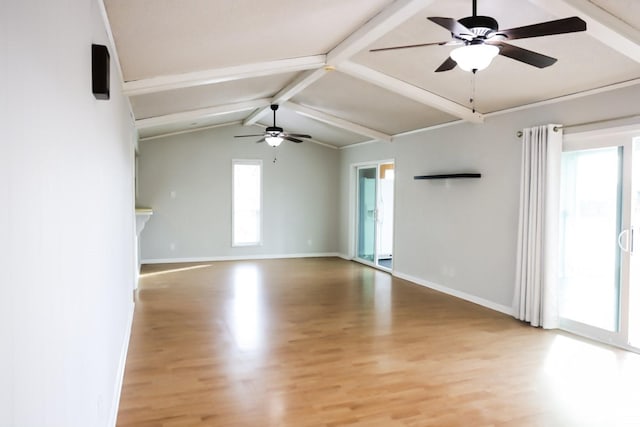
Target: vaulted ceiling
(193, 64)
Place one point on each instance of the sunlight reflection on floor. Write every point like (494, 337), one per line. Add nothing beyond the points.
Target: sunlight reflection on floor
(174, 270)
(246, 319)
(585, 381)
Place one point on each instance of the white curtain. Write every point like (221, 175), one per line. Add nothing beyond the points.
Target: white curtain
(535, 296)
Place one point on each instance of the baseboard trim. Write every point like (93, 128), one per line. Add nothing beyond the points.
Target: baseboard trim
(113, 418)
(239, 258)
(455, 293)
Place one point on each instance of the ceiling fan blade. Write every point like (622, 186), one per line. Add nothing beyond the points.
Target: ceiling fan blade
(448, 64)
(560, 26)
(380, 49)
(452, 25)
(244, 136)
(523, 55)
(260, 140)
(299, 135)
(292, 139)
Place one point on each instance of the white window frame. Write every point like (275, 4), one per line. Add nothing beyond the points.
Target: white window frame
(235, 162)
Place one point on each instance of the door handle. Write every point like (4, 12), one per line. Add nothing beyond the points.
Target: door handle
(627, 245)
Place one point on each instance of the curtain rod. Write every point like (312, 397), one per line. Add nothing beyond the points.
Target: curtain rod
(594, 122)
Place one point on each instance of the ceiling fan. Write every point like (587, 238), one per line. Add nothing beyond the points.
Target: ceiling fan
(481, 41)
(274, 135)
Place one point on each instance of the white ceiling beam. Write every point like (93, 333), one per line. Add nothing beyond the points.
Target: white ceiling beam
(392, 16)
(190, 130)
(601, 25)
(337, 122)
(195, 115)
(219, 75)
(298, 85)
(255, 116)
(410, 91)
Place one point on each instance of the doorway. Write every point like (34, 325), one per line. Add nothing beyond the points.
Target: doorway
(374, 214)
(599, 284)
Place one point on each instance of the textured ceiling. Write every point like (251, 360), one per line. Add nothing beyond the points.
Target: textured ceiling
(193, 64)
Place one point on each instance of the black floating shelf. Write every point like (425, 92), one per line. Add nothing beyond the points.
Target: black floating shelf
(449, 175)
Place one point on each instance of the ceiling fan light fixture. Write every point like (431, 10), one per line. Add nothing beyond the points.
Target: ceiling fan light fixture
(474, 56)
(273, 141)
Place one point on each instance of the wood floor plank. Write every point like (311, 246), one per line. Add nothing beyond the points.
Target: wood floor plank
(327, 342)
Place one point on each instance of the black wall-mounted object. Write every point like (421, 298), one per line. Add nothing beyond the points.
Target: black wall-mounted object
(100, 71)
(449, 175)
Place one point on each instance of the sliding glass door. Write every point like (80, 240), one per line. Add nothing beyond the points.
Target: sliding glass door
(634, 291)
(590, 224)
(598, 267)
(374, 214)
(367, 213)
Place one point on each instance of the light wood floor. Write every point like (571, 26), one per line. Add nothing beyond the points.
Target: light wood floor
(326, 342)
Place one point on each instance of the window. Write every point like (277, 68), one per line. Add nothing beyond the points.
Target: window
(247, 203)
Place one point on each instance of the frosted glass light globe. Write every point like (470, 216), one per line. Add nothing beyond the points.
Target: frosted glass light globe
(474, 56)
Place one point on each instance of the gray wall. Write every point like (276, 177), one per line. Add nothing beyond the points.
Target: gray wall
(461, 234)
(66, 220)
(458, 235)
(300, 197)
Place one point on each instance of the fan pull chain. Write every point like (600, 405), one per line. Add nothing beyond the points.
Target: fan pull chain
(472, 100)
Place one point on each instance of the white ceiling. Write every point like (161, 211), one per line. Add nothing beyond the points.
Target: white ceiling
(193, 64)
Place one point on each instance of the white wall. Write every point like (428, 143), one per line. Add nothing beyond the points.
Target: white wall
(66, 220)
(461, 234)
(300, 198)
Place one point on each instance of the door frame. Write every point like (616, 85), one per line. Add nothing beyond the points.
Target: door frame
(353, 211)
(618, 136)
